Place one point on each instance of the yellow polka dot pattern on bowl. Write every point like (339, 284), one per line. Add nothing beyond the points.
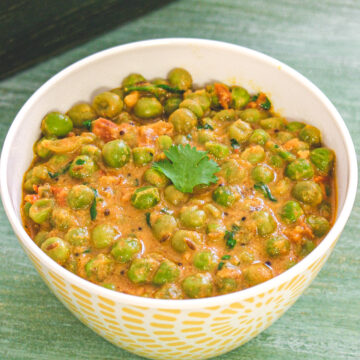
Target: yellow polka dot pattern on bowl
(175, 333)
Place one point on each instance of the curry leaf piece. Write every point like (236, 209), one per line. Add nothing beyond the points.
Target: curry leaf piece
(187, 167)
(147, 217)
(93, 210)
(265, 190)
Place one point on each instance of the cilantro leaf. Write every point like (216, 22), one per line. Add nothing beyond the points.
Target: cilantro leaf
(266, 105)
(187, 167)
(87, 124)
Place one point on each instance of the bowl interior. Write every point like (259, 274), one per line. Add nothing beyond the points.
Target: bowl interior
(206, 61)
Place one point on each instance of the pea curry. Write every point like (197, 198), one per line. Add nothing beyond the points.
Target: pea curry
(164, 190)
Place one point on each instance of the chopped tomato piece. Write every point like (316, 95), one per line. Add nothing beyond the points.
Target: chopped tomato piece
(32, 198)
(105, 129)
(60, 194)
(223, 94)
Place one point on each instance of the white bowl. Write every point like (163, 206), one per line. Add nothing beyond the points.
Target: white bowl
(173, 329)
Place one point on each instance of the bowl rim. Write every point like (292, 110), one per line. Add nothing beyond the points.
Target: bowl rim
(184, 304)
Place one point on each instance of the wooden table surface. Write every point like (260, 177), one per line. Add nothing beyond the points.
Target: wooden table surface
(321, 39)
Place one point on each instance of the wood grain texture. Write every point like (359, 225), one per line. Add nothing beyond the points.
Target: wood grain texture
(321, 40)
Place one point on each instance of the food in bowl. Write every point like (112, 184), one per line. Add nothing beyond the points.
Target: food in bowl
(160, 189)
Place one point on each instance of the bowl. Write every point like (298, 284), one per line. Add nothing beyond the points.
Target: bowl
(178, 329)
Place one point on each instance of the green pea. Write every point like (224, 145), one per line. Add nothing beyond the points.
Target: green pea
(202, 97)
(228, 279)
(108, 104)
(62, 219)
(174, 196)
(240, 97)
(171, 105)
(40, 237)
(265, 223)
(164, 227)
(164, 142)
(116, 153)
(291, 211)
(167, 272)
(278, 150)
(80, 113)
(240, 131)
(125, 249)
(307, 192)
(212, 210)
(183, 120)
(215, 103)
(307, 248)
(193, 106)
(299, 169)
(180, 78)
(156, 178)
(224, 196)
(148, 107)
(273, 123)
(40, 210)
(257, 273)
(42, 151)
(325, 209)
(184, 240)
(276, 161)
(80, 197)
(319, 225)
(82, 167)
(246, 257)
(102, 236)
(323, 159)
(77, 236)
(232, 171)
(169, 292)
(277, 245)
(283, 136)
(57, 162)
(132, 79)
(100, 267)
(145, 197)
(56, 124)
(220, 151)
(124, 118)
(37, 175)
(143, 155)
(294, 126)
(215, 232)
(311, 135)
(253, 116)
(225, 115)
(262, 173)
(204, 136)
(57, 249)
(198, 285)
(119, 92)
(142, 269)
(180, 140)
(92, 151)
(205, 260)
(109, 286)
(253, 154)
(192, 217)
(259, 136)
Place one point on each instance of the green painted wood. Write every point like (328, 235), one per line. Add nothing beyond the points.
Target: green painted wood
(320, 39)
